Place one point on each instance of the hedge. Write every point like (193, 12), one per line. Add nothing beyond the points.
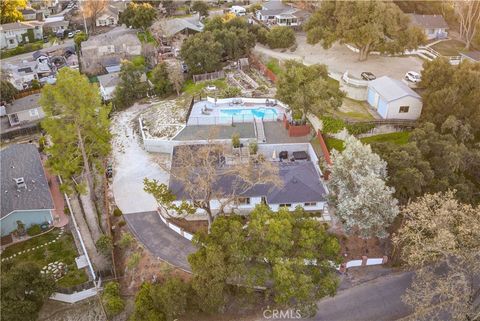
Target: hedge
(29, 47)
(334, 125)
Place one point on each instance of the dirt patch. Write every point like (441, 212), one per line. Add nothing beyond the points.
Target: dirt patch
(87, 310)
(191, 227)
(354, 247)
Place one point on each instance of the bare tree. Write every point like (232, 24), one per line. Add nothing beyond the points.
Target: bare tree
(441, 237)
(468, 12)
(206, 173)
(176, 76)
(92, 9)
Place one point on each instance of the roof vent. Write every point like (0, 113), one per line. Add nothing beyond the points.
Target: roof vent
(20, 182)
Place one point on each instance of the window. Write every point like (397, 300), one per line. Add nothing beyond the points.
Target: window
(243, 201)
(11, 41)
(310, 204)
(33, 112)
(404, 109)
(285, 205)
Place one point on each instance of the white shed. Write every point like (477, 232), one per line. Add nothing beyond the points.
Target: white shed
(393, 99)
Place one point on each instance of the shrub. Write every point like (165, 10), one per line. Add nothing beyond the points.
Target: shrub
(42, 141)
(332, 125)
(359, 128)
(104, 245)
(261, 34)
(126, 240)
(229, 92)
(117, 212)
(333, 143)
(34, 230)
(111, 299)
(121, 223)
(236, 140)
(253, 147)
(280, 37)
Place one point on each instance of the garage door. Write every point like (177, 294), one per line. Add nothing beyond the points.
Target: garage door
(382, 107)
(371, 97)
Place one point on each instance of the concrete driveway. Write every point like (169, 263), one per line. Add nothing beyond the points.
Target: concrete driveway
(132, 164)
(340, 59)
(164, 243)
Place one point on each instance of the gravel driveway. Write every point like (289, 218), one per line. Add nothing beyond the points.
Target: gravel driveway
(340, 59)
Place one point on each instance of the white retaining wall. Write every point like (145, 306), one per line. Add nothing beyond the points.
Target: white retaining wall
(175, 228)
(74, 297)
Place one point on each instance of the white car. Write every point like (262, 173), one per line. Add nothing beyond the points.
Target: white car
(413, 76)
(70, 35)
(211, 88)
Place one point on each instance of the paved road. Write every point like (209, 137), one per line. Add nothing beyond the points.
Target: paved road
(28, 56)
(378, 300)
(159, 239)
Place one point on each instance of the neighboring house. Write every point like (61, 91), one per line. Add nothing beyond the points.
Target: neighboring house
(176, 26)
(277, 13)
(56, 26)
(21, 75)
(393, 99)
(434, 26)
(108, 17)
(29, 14)
(108, 83)
(238, 11)
(25, 110)
(15, 33)
(120, 42)
(25, 196)
(301, 186)
(473, 56)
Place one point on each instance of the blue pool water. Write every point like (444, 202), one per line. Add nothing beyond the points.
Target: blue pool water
(262, 112)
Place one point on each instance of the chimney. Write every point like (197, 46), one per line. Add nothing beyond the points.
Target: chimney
(20, 183)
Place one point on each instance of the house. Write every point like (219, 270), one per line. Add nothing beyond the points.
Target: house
(120, 42)
(108, 17)
(29, 14)
(21, 75)
(238, 11)
(25, 110)
(26, 196)
(277, 13)
(473, 56)
(108, 83)
(301, 186)
(56, 26)
(15, 33)
(434, 26)
(393, 99)
(176, 26)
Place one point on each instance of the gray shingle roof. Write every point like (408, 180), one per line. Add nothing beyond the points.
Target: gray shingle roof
(428, 21)
(392, 89)
(25, 103)
(301, 183)
(23, 160)
(109, 80)
(15, 26)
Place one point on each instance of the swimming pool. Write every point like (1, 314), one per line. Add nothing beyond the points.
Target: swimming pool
(249, 113)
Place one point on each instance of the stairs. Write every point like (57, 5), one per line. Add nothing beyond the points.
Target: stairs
(260, 130)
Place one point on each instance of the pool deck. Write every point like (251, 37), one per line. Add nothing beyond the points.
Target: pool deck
(207, 132)
(209, 113)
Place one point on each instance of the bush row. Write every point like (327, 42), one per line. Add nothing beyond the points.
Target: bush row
(334, 125)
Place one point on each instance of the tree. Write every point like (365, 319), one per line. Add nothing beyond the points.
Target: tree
(307, 89)
(201, 53)
(23, 291)
(364, 204)
(280, 37)
(441, 236)
(405, 164)
(92, 9)
(138, 16)
(451, 91)
(235, 42)
(468, 12)
(126, 241)
(7, 91)
(105, 245)
(201, 7)
(111, 299)
(286, 252)
(79, 38)
(196, 169)
(131, 86)
(176, 77)
(369, 25)
(161, 82)
(10, 10)
(78, 126)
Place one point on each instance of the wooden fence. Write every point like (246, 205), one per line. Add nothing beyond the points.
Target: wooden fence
(209, 76)
(254, 61)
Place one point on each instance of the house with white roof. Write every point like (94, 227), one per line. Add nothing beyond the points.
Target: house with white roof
(434, 26)
(393, 99)
(277, 13)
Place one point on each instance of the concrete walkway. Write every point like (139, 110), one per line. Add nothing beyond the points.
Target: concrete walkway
(161, 241)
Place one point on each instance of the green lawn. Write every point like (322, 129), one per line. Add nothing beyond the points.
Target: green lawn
(354, 110)
(449, 47)
(399, 138)
(146, 37)
(63, 250)
(192, 88)
(334, 143)
(274, 66)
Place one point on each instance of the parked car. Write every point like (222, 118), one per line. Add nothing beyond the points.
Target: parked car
(77, 31)
(368, 76)
(70, 34)
(413, 76)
